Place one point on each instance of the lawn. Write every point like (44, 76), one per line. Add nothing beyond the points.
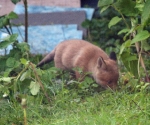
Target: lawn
(71, 107)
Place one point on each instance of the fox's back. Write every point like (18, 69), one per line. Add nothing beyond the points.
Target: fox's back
(70, 52)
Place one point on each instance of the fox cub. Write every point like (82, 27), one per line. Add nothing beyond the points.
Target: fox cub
(88, 57)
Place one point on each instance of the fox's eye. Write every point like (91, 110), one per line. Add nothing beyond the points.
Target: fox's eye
(109, 82)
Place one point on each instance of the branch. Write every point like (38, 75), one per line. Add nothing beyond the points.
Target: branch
(26, 20)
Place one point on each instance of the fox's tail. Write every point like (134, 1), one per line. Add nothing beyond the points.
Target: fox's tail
(48, 58)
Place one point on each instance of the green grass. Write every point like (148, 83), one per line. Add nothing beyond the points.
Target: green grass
(72, 108)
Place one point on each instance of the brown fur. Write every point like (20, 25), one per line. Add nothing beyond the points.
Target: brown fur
(86, 56)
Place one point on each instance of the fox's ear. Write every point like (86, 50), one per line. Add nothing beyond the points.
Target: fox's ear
(113, 56)
(101, 63)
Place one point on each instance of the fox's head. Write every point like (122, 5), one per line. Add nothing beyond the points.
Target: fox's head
(106, 73)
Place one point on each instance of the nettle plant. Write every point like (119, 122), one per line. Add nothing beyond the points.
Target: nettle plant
(13, 65)
(134, 52)
(17, 75)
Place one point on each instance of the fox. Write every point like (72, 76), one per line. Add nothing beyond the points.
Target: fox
(90, 58)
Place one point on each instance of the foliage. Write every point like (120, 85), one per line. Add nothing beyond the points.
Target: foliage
(136, 33)
(100, 34)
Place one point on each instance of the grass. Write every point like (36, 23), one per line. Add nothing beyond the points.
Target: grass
(71, 108)
(77, 104)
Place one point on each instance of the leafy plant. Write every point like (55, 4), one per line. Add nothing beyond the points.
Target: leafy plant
(136, 34)
(100, 34)
(15, 77)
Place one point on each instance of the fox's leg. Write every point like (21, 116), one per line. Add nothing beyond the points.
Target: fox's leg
(58, 63)
(79, 76)
(79, 70)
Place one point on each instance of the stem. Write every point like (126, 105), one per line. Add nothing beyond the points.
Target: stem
(37, 77)
(89, 35)
(7, 30)
(18, 76)
(139, 51)
(10, 27)
(25, 116)
(39, 81)
(121, 16)
(26, 20)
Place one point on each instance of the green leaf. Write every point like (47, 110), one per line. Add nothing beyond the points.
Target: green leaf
(34, 88)
(13, 37)
(104, 8)
(25, 75)
(23, 46)
(12, 15)
(125, 63)
(145, 45)
(23, 61)
(114, 21)
(15, 1)
(8, 40)
(3, 21)
(146, 12)
(12, 63)
(130, 62)
(123, 31)
(140, 36)
(4, 44)
(131, 58)
(128, 33)
(6, 79)
(39, 72)
(133, 67)
(127, 7)
(125, 45)
(95, 85)
(7, 72)
(140, 6)
(104, 2)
